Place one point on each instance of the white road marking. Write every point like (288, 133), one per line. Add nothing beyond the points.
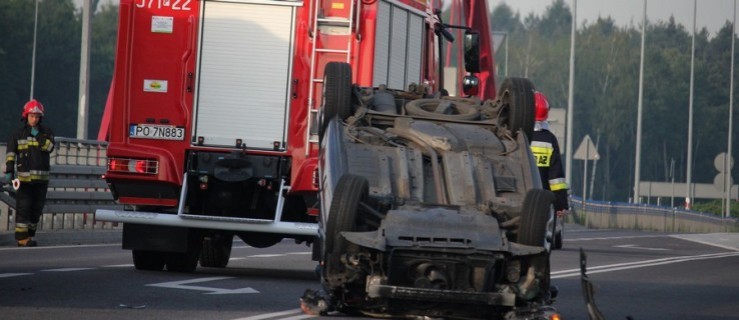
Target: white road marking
(640, 264)
(8, 275)
(129, 265)
(183, 284)
(635, 246)
(615, 238)
(66, 269)
(298, 317)
(297, 312)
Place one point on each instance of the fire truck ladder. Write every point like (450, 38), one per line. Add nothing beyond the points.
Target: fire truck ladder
(337, 25)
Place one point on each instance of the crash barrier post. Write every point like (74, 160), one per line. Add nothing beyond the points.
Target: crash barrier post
(618, 215)
(76, 188)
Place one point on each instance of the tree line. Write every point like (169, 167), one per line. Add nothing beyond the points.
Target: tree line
(57, 66)
(606, 82)
(607, 86)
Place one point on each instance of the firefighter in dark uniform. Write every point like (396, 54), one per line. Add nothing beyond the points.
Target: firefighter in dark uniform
(27, 158)
(545, 148)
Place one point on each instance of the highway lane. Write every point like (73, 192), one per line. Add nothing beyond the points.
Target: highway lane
(643, 275)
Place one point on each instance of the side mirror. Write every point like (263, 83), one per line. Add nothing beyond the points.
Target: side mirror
(471, 85)
(472, 51)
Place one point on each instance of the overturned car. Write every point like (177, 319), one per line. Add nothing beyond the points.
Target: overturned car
(430, 206)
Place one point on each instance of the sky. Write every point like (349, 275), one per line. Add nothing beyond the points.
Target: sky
(711, 14)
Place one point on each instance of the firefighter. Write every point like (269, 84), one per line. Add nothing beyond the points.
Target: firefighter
(545, 148)
(28, 156)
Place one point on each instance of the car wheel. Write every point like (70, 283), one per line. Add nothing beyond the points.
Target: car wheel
(534, 216)
(463, 110)
(517, 96)
(336, 94)
(350, 191)
(558, 240)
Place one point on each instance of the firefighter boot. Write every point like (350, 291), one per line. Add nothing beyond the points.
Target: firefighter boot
(28, 242)
(23, 237)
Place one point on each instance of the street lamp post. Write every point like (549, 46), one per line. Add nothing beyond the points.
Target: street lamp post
(33, 54)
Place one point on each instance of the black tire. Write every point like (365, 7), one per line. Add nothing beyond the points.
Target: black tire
(534, 216)
(216, 251)
(517, 97)
(186, 261)
(148, 260)
(557, 240)
(426, 107)
(350, 191)
(337, 94)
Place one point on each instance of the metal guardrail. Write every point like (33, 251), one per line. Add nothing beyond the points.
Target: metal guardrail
(76, 188)
(618, 215)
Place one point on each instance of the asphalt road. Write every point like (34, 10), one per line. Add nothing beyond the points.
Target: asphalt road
(642, 275)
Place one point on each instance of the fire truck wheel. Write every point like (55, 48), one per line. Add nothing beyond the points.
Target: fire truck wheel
(517, 97)
(456, 109)
(216, 251)
(337, 94)
(350, 191)
(182, 262)
(534, 216)
(148, 260)
(186, 261)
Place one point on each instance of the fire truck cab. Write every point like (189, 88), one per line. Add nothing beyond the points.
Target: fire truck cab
(214, 110)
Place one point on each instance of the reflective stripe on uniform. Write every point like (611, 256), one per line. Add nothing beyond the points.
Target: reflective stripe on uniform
(542, 153)
(557, 184)
(21, 228)
(33, 175)
(10, 156)
(48, 146)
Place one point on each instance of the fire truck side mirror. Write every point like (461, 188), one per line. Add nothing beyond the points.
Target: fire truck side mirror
(472, 51)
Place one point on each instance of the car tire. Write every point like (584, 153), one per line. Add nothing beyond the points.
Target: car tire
(534, 215)
(558, 238)
(337, 94)
(517, 96)
(349, 192)
(425, 108)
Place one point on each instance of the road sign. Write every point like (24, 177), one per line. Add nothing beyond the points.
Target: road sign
(586, 150)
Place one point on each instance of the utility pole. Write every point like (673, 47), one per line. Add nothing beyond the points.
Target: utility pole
(637, 161)
(570, 99)
(689, 195)
(729, 157)
(84, 88)
(33, 54)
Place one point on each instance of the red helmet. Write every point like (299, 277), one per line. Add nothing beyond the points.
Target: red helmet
(542, 106)
(33, 106)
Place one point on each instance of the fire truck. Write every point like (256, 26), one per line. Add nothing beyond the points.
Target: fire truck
(215, 111)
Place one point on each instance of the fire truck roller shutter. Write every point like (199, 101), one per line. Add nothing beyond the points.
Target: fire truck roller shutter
(243, 72)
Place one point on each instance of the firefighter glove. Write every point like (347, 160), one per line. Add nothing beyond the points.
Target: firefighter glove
(8, 177)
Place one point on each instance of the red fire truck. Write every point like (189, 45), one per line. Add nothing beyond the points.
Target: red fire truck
(212, 118)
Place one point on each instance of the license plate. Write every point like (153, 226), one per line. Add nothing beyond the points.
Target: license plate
(153, 131)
